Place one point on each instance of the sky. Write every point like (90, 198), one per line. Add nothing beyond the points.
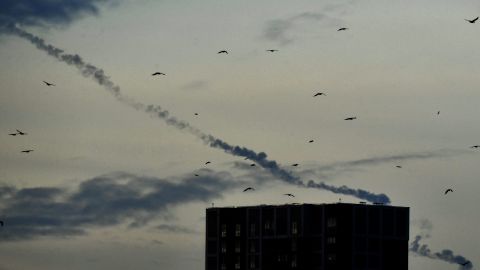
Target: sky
(111, 182)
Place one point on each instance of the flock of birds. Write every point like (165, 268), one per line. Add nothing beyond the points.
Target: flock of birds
(249, 189)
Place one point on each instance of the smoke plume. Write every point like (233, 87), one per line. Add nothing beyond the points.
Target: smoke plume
(99, 76)
(445, 255)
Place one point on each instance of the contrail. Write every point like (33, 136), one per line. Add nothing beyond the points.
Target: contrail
(99, 76)
(445, 255)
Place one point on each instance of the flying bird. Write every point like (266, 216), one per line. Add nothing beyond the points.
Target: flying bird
(27, 151)
(252, 165)
(12, 134)
(351, 118)
(272, 50)
(21, 133)
(448, 190)
(342, 29)
(311, 141)
(475, 146)
(195, 113)
(467, 262)
(248, 188)
(208, 162)
(398, 166)
(319, 94)
(472, 21)
(438, 113)
(197, 175)
(225, 52)
(289, 194)
(158, 73)
(48, 84)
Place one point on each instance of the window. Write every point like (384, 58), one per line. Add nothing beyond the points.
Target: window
(294, 261)
(294, 245)
(237, 230)
(332, 257)
(237, 246)
(224, 247)
(267, 225)
(252, 229)
(331, 222)
(252, 264)
(294, 228)
(252, 247)
(224, 230)
(237, 263)
(224, 267)
(331, 240)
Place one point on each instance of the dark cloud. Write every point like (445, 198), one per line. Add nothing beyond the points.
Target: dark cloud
(102, 201)
(47, 12)
(172, 228)
(280, 30)
(260, 158)
(445, 255)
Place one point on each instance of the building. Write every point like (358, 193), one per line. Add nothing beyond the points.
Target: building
(307, 237)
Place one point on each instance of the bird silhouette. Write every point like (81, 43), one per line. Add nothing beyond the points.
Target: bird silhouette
(448, 190)
(472, 21)
(272, 50)
(158, 73)
(475, 146)
(342, 29)
(12, 134)
(2, 223)
(351, 118)
(295, 164)
(248, 188)
(27, 151)
(48, 84)
(197, 175)
(252, 165)
(311, 141)
(225, 52)
(195, 113)
(21, 133)
(208, 162)
(398, 166)
(319, 94)
(438, 113)
(289, 194)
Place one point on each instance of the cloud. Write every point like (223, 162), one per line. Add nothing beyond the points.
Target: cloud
(46, 13)
(172, 228)
(105, 200)
(280, 30)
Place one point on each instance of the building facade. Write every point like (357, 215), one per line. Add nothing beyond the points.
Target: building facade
(307, 237)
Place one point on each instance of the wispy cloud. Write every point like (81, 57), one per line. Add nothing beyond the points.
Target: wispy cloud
(105, 200)
(195, 85)
(43, 13)
(174, 228)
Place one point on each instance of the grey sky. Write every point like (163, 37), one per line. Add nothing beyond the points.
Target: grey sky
(400, 63)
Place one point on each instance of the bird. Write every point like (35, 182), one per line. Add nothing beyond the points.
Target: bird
(248, 188)
(158, 73)
(208, 162)
(448, 190)
(289, 194)
(252, 165)
(398, 166)
(272, 51)
(311, 141)
(475, 146)
(295, 164)
(12, 134)
(197, 175)
(2, 223)
(438, 113)
(465, 263)
(27, 151)
(319, 94)
(342, 29)
(21, 133)
(225, 52)
(48, 84)
(472, 21)
(195, 113)
(351, 118)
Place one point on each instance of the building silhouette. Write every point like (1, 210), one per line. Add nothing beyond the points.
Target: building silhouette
(336, 236)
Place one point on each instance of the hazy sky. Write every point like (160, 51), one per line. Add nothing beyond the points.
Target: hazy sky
(110, 187)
